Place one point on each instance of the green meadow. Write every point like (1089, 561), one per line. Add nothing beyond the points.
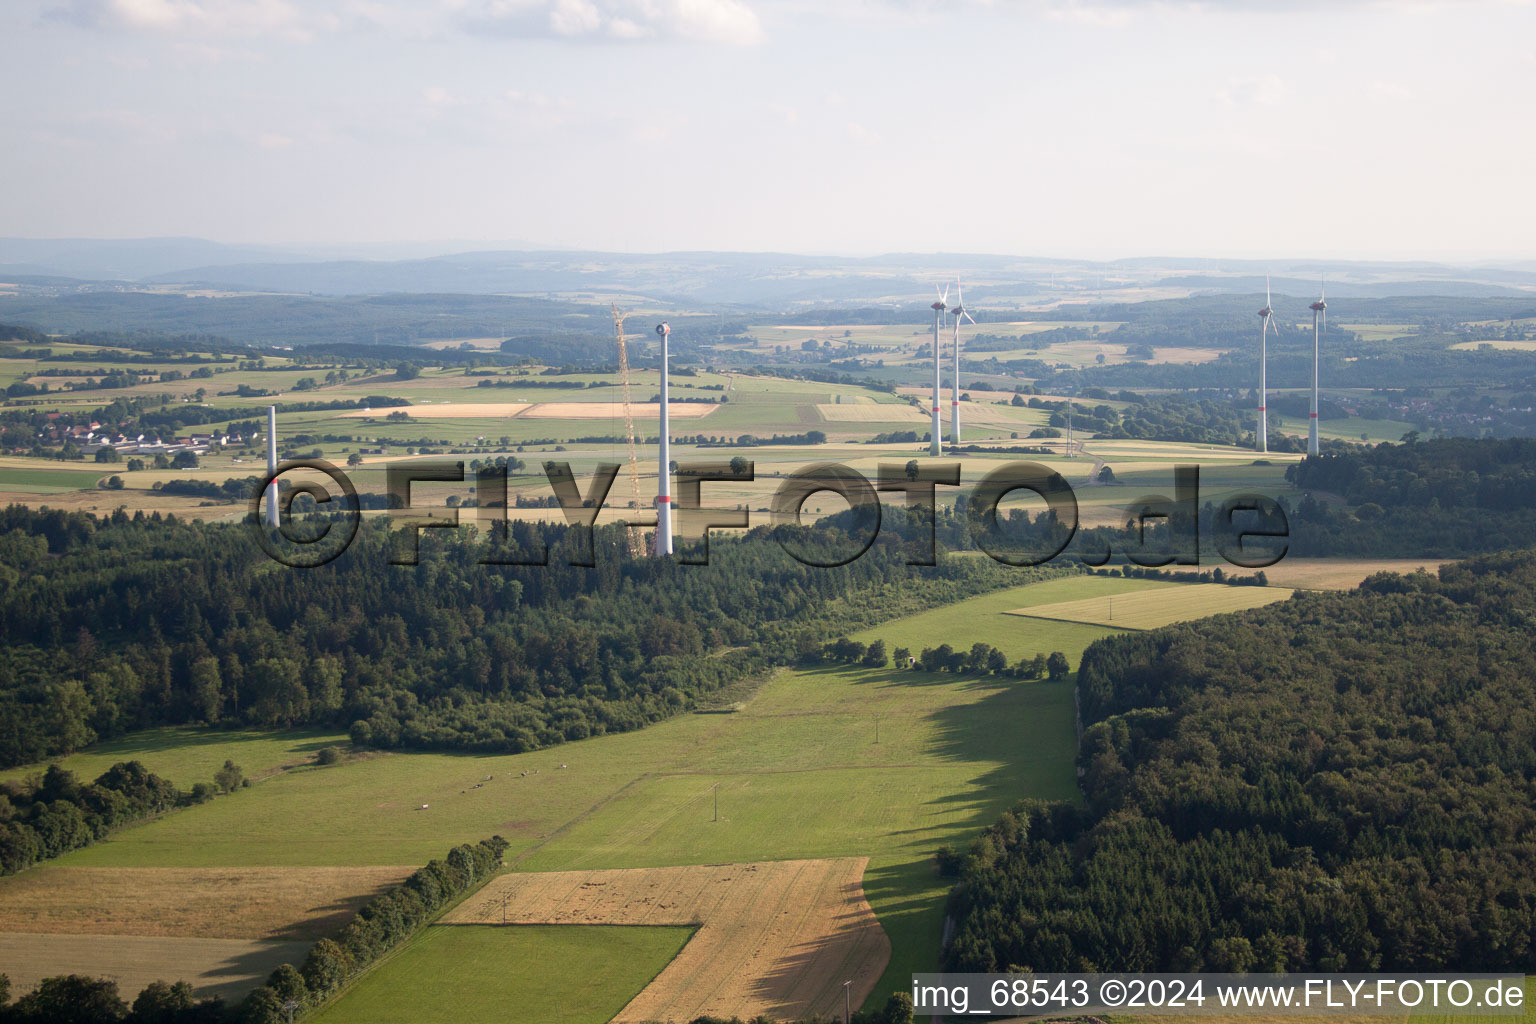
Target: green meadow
(523, 974)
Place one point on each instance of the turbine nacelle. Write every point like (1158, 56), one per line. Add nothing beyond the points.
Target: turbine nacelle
(1319, 305)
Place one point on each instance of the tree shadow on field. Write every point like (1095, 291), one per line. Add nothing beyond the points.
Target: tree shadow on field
(329, 918)
(808, 979)
(248, 970)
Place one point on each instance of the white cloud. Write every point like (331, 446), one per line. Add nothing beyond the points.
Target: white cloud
(272, 140)
(729, 22)
(575, 18)
(205, 17)
(1264, 91)
(715, 21)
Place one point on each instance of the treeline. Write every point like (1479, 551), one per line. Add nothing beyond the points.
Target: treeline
(290, 992)
(753, 441)
(59, 813)
(16, 332)
(1427, 361)
(128, 622)
(1497, 475)
(981, 659)
(523, 382)
(1343, 782)
(1442, 498)
(384, 923)
(232, 489)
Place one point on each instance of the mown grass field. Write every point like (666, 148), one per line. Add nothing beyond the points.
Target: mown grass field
(186, 755)
(40, 478)
(519, 974)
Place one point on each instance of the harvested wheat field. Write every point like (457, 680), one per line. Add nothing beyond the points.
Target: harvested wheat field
(776, 938)
(603, 410)
(245, 903)
(227, 968)
(447, 411)
(1151, 609)
(870, 412)
(1337, 573)
(997, 414)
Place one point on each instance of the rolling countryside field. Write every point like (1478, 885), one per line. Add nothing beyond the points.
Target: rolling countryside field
(861, 773)
(795, 770)
(798, 772)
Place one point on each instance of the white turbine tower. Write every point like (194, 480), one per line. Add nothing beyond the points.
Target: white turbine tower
(935, 447)
(664, 469)
(272, 466)
(1319, 325)
(954, 396)
(1266, 315)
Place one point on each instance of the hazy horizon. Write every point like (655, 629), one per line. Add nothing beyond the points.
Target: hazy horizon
(1075, 129)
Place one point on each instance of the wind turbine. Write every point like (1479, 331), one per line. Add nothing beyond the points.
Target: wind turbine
(1319, 325)
(959, 311)
(1266, 315)
(938, 317)
(664, 462)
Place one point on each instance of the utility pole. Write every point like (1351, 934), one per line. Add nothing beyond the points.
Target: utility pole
(877, 728)
(846, 1014)
(716, 790)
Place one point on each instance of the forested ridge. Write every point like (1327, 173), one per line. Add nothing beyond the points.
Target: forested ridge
(1442, 498)
(123, 623)
(1339, 782)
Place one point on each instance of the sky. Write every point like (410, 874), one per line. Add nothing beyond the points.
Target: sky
(1071, 128)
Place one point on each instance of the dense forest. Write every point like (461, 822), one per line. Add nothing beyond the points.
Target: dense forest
(1442, 498)
(1343, 781)
(122, 623)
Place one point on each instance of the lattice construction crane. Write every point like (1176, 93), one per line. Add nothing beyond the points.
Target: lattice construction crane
(636, 541)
